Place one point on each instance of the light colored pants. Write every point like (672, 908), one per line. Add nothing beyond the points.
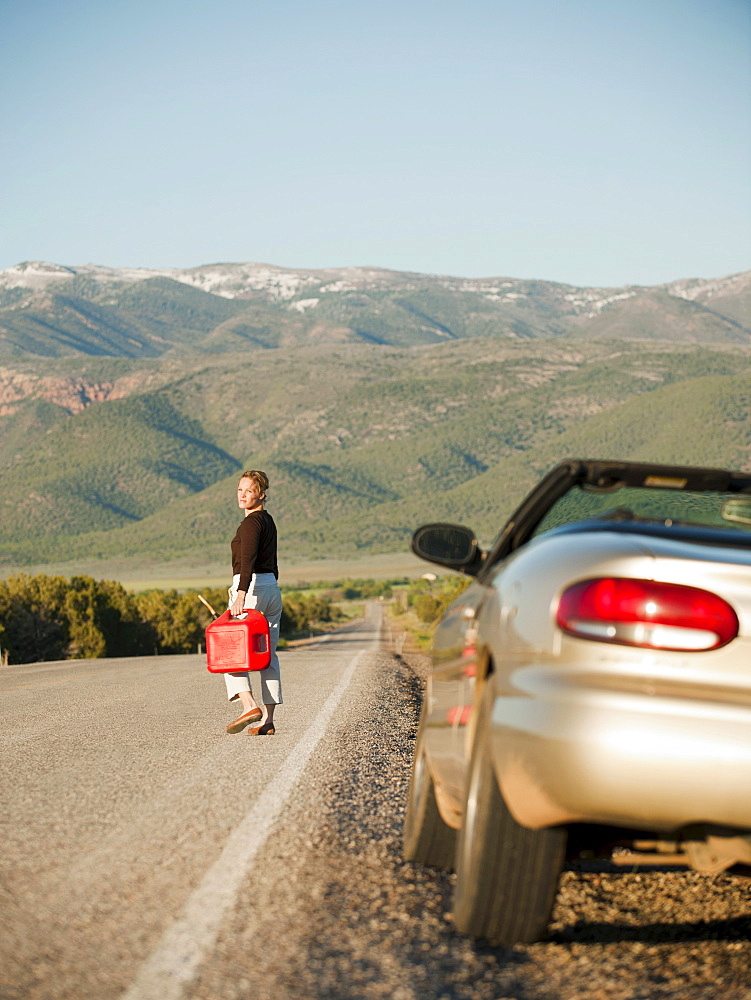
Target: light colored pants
(264, 595)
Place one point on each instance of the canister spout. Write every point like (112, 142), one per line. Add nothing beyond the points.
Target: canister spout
(203, 600)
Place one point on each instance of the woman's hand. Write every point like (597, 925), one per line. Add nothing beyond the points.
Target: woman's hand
(238, 605)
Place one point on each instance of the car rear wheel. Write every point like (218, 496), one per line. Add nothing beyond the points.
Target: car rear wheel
(507, 875)
(427, 840)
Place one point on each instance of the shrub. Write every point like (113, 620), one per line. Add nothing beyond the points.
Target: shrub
(51, 618)
(177, 620)
(300, 612)
(426, 607)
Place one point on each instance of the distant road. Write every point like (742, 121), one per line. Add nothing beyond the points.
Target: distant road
(147, 855)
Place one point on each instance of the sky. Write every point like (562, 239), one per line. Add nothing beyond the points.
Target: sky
(583, 141)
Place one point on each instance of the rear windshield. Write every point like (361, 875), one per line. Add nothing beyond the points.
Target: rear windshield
(656, 506)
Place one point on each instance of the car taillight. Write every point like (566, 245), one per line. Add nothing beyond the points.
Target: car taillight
(647, 613)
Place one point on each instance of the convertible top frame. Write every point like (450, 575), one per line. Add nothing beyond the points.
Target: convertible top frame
(603, 475)
(593, 474)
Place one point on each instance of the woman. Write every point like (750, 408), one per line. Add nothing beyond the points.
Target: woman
(254, 585)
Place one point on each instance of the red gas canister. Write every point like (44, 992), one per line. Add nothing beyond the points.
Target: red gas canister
(233, 645)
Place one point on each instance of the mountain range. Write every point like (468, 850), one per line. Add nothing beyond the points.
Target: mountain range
(131, 398)
(47, 310)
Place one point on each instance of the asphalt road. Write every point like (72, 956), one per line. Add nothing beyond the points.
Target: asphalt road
(148, 855)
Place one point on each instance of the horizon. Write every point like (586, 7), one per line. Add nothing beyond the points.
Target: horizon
(363, 267)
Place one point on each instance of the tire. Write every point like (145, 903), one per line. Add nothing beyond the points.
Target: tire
(427, 839)
(507, 875)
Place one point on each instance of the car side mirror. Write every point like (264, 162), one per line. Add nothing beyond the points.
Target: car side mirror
(449, 545)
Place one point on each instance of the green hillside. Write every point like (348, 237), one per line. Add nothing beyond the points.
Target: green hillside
(362, 443)
(112, 464)
(657, 315)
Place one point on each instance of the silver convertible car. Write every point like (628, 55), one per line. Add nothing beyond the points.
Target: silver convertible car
(590, 692)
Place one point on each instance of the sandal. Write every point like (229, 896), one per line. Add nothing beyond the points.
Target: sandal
(254, 715)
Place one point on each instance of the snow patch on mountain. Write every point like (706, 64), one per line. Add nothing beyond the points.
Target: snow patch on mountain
(591, 301)
(302, 304)
(36, 275)
(699, 288)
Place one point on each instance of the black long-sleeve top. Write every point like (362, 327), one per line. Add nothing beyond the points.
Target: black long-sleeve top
(254, 548)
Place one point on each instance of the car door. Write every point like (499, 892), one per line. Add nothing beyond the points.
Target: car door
(450, 691)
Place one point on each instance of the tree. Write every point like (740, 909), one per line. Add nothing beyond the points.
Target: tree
(177, 621)
(34, 622)
(104, 620)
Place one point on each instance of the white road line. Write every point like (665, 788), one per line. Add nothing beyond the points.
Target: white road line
(183, 946)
